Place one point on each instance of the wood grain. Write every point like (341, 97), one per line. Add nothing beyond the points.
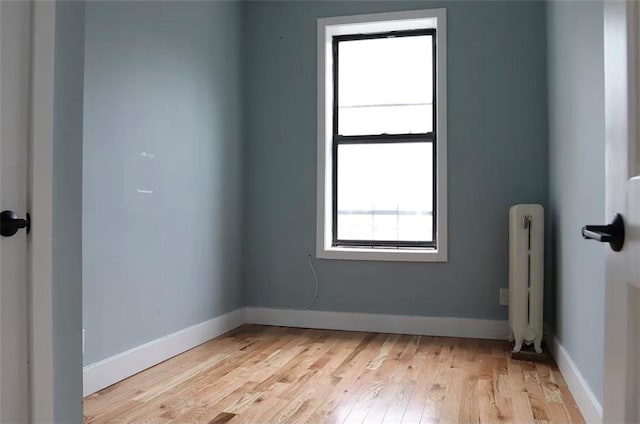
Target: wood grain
(259, 374)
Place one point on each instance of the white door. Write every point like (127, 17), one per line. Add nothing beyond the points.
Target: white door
(15, 58)
(622, 294)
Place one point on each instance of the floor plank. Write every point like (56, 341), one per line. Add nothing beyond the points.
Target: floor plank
(260, 374)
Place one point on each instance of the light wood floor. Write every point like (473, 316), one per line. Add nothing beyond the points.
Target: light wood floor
(284, 375)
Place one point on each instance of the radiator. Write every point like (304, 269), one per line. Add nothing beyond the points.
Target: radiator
(526, 271)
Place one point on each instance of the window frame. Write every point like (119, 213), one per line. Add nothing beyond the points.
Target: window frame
(338, 139)
(373, 26)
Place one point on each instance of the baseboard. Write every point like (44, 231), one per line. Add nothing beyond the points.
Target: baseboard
(587, 402)
(380, 323)
(102, 374)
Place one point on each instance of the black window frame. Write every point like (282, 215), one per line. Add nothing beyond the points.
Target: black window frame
(337, 139)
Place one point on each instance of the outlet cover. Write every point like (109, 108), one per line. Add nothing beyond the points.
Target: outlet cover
(504, 297)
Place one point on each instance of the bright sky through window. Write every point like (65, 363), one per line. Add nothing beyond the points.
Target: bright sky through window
(385, 185)
(385, 192)
(386, 86)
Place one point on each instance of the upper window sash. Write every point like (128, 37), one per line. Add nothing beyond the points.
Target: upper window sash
(409, 94)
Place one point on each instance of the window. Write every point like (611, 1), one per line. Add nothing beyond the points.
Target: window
(382, 137)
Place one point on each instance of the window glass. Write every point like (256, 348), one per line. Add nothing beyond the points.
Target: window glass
(385, 192)
(385, 86)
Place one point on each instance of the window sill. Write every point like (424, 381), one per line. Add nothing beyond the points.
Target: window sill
(368, 254)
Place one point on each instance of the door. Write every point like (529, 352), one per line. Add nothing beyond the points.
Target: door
(621, 400)
(15, 57)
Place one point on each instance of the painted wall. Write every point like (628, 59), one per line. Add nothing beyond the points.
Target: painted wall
(162, 169)
(67, 211)
(577, 169)
(497, 147)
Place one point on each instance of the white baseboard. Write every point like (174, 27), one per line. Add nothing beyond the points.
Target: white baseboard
(587, 402)
(102, 374)
(380, 323)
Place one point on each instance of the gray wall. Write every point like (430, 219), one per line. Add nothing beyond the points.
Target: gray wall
(67, 211)
(576, 129)
(162, 79)
(498, 156)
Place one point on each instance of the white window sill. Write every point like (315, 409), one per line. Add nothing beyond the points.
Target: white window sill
(368, 254)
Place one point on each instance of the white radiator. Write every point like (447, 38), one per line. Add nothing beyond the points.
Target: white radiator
(526, 271)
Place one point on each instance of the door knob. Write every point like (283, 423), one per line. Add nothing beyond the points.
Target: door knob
(612, 233)
(10, 223)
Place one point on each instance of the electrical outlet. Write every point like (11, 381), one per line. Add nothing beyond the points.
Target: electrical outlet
(83, 341)
(504, 297)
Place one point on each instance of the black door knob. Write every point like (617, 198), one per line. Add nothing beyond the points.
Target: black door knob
(612, 233)
(10, 223)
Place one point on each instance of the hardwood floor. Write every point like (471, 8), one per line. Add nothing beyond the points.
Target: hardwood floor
(258, 374)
